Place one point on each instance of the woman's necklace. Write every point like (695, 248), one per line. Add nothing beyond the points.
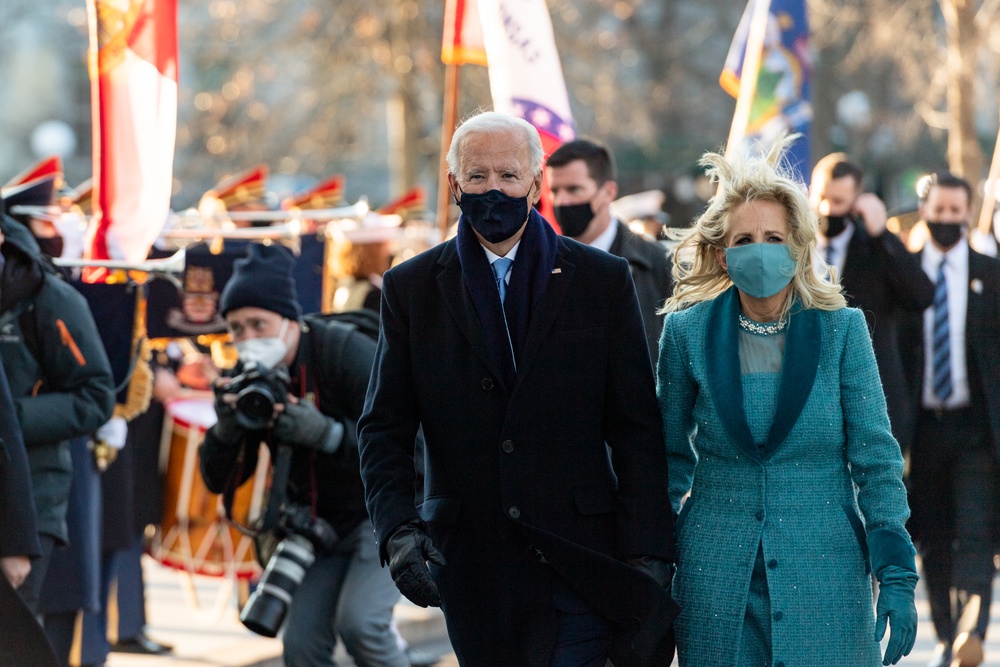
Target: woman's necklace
(762, 328)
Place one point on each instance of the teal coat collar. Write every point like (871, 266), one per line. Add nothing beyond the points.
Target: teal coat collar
(722, 367)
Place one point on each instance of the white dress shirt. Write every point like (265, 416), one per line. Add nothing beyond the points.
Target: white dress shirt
(838, 246)
(511, 254)
(607, 237)
(956, 271)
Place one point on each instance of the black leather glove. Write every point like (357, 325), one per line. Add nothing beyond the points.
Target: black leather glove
(226, 429)
(409, 549)
(661, 571)
(302, 424)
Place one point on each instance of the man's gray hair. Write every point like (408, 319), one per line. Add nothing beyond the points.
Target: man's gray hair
(490, 122)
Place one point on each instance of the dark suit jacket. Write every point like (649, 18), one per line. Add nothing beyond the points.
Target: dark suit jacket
(518, 474)
(884, 280)
(650, 267)
(982, 342)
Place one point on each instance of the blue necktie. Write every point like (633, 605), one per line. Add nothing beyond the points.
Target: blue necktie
(501, 268)
(942, 339)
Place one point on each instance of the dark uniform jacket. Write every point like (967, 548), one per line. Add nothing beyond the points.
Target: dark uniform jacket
(58, 372)
(333, 364)
(18, 534)
(520, 485)
(650, 267)
(885, 281)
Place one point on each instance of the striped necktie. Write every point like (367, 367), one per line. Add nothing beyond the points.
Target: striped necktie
(942, 339)
(500, 269)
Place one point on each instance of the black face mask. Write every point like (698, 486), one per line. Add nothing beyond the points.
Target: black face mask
(833, 225)
(945, 234)
(53, 247)
(573, 219)
(494, 215)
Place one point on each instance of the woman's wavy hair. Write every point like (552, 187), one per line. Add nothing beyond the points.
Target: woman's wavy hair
(749, 177)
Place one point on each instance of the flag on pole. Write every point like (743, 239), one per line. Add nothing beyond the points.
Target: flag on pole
(526, 77)
(463, 34)
(133, 73)
(782, 99)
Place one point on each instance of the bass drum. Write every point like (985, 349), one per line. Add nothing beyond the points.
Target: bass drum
(195, 535)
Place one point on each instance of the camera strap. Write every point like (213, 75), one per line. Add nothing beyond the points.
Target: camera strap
(275, 500)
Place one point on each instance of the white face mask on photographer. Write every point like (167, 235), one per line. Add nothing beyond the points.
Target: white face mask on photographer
(266, 352)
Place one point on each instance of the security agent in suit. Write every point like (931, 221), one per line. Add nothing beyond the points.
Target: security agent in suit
(581, 176)
(545, 534)
(952, 358)
(880, 277)
(343, 593)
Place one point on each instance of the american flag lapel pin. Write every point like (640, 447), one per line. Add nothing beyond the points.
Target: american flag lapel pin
(557, 270)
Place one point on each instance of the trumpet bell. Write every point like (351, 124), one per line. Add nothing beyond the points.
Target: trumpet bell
(170, 268)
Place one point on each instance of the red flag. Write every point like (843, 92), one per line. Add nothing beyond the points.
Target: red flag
(133, 75)
(463, 34)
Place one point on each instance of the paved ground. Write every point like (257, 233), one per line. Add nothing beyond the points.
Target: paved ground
(210, 634)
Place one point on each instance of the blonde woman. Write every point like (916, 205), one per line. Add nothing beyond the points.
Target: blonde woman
(782, 465)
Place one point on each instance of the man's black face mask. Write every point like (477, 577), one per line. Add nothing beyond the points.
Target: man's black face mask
(945, 234)
(574, 219)
(494, 215)
(833, 225)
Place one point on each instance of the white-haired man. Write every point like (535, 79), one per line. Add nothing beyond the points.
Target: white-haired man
(522, 356)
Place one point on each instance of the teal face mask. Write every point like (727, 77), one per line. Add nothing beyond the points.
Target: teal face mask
(760, 270)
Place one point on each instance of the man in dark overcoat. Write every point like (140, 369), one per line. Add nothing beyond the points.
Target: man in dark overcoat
(545, 520)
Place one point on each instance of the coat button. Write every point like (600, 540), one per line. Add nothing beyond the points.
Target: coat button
(513, 512)
(773, 563)
(778, 616)
(487, 384)
(759, 515)
(507, 446)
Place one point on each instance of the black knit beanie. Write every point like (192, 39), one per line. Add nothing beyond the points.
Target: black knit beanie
(262, 279)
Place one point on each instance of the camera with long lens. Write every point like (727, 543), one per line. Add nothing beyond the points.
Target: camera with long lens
(258, 391)
(302, 537)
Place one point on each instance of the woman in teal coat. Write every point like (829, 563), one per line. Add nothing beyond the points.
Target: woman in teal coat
(783, 468)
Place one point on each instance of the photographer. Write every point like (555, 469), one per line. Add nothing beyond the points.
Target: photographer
(323, 368)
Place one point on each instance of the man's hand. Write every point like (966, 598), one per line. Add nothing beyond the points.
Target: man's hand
(661, 571)
(16, 569)
(303, 425)
(226, 429)
(872, 211)
(409, 549)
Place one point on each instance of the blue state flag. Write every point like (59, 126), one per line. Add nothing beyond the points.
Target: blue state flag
(781, 102)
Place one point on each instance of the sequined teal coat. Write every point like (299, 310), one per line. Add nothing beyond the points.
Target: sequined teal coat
(804, 465)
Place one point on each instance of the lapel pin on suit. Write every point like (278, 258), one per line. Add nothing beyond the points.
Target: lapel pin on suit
(976, 285)
(556, 270)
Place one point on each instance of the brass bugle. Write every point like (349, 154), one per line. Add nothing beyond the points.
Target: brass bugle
(287, 232)
(355, 211)
(170, 268)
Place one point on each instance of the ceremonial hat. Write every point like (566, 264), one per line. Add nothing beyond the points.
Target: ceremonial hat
(412, 204)
(327, 194)
(247, 187)
(34, 186)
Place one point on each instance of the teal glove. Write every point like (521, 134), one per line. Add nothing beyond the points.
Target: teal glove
(896, 608)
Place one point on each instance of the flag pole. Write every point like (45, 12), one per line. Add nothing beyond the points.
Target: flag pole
(450, 111)
(748, 76)
(990, 198)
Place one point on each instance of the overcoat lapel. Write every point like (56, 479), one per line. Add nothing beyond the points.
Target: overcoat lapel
(803, 343)
(974, 307)
(722, 369)
(544, 314)
(463, 311)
